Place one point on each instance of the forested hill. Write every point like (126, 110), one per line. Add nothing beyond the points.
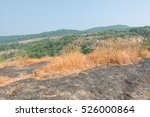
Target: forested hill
(108, 28)
(62, 32)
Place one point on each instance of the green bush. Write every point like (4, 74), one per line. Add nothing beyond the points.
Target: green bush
(49, 47)
(85, 48)
(146, 44)
(2, 59)
(39, 50)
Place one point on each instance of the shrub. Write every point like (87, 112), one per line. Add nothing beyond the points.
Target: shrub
(2, 59)
(146, 44)
(85, 48)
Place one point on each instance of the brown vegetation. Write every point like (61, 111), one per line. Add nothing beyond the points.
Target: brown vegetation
(68, 63)
(110, 52)
(6, 80)
(25, 62)
(117, 51)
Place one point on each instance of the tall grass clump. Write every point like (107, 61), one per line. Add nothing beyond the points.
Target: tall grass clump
(65, 64)
(116, 52)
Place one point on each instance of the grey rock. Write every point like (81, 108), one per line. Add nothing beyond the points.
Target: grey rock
(113, 82)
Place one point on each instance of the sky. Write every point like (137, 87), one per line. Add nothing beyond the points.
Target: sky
(35, 16)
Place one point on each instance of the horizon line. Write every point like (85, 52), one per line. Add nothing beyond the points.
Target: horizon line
(72, 29)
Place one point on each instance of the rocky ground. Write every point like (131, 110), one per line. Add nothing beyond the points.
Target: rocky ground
(109, 82)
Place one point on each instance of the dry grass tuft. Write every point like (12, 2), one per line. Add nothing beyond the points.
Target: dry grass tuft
(146, 54)
(65, 64)
(116, 52)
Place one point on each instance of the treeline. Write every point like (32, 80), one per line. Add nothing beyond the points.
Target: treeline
(142, 31)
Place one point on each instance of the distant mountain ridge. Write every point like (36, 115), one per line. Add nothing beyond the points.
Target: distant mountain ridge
(62, 32)
(107, 28)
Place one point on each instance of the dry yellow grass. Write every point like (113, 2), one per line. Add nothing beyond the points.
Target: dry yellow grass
(65, 64)
(25, 62)
(117, 51)
(146, 53)
(6, 80)
(111, 52)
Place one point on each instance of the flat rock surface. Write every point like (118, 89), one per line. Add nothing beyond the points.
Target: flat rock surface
(109, 82)
(15, 72)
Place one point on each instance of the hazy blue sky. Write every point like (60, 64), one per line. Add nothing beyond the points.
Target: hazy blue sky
(34, 16)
